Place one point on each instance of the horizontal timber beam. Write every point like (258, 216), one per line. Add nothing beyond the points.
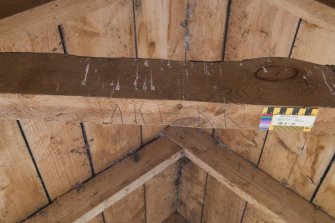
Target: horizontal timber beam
(158, 92)
(320, 12)
(91, 198)
(53, 13)
(246, 180)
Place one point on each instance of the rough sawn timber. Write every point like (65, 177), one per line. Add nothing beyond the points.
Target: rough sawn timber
(161, 92)
(245, 179)
(91, 198)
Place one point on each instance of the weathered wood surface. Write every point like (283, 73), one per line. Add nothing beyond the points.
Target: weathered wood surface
(91, 198)
(51, 14)
(243, 178)
(318, 12)
(157, 92)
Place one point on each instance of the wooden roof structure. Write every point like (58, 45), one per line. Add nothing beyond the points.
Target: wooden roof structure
(148, 111)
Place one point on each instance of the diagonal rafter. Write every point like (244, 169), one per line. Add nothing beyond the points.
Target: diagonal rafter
(93, 197)
(247, 181)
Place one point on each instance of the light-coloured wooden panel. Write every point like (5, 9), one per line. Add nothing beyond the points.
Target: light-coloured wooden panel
(221, 204)
(128, 210)
(160, 33)
(161, 195)
(21, 191)
(252, 215)
(244, 179)
(191, 191)
(314, 44)
(258, 29)
(325, 198)
(297, 160)
(320, 12)
(107, 32)
(150, 132)
(175, 218)
(105, 189)
(205, 24)
(60, 154)
(247, 143)
(109, 143)
(45, 40)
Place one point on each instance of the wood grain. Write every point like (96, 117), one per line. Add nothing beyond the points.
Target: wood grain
(243, 178)
(161, 195)
(110, 143)
(128, 210)
(51, 14)
(205, 101)
(159, 31)
(60, 153)
(107, 32)
(205, 24)
(247, 143)
(21, 191)
(320, 12)
(191, 192)
(314, 44)
(251, 31)
(175, 218)
(89, 200)
(325, 197)
(221, 204)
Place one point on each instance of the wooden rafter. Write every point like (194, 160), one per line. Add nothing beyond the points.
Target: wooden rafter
(158, 92)
(320, 12)
(240, 176)
(87, 201)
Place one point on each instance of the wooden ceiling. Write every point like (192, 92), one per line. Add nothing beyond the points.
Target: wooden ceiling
(42, 160)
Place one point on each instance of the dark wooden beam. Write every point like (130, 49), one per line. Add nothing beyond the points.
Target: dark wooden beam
(160, 92)
(246, 180)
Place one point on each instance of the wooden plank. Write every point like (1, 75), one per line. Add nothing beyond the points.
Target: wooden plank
(326, 196)
(21, 191)
(159, 30)
(60, 154)
(191, 191)
(128, 210)
(251, 33)
(229, 101)
(252, 215)
(51, 14)
(314, 44)
(298, 160)
(97, 219)
(320, 12)
(107, 32)
(87, 201)
(247, 143)
(175, 218)
(161, 195)
(159, 36)
(221, 204)
(246, 180)
(110, 143)
(151, 132)
(202, 18)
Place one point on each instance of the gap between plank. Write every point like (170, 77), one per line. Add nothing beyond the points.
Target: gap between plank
(34, 162)
(203, 198)
(294, 38)
(225, 31)
(87, 148)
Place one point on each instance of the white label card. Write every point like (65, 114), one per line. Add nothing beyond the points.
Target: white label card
(293, 120)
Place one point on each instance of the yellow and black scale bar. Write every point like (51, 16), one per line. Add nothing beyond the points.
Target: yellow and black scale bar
(291, 111)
